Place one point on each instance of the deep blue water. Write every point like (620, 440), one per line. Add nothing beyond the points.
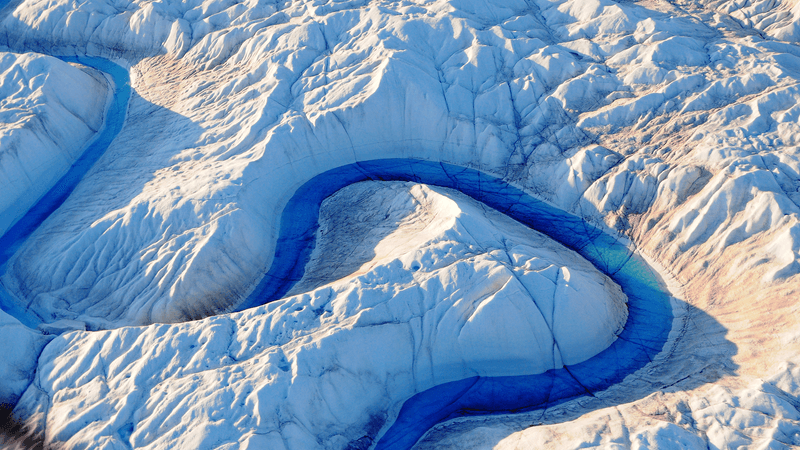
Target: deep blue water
(27, 224)
(644, 335)
(649, 311)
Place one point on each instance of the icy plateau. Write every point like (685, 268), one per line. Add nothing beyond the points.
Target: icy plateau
(671, 128)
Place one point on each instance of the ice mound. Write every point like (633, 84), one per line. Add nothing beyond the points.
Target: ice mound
(48, 111)
(444, 288)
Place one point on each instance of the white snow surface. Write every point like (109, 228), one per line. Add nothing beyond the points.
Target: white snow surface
(674, 122)
(662, 115)
(763, 413)
(452, 290)
(49, 110)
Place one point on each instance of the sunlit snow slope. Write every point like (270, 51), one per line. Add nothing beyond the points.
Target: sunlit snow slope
(451, 289)
(674, 123)
(48, 112)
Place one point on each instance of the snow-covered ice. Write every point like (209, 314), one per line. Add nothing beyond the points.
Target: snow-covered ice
(761, 414)
(673, 123)
(48, 112)
(438, 288)
(21, 350)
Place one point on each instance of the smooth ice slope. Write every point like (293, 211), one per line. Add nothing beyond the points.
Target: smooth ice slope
(48, 111)
(443, 289)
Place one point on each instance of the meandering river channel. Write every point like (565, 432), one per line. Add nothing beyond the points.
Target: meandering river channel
(645, 333)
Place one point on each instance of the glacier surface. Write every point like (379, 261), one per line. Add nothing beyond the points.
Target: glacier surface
(49, 110)
(674, 124)
(462, 292)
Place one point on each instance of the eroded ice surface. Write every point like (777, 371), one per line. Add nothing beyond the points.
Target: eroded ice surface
(436, 288)
(676, 122)
(48, 111)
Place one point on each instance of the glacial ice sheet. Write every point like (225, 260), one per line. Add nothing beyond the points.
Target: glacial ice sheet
(649, 322)
(280, 374)
(617, 112)
(48, 112)
(762, 413)
(31, 216)
(674, 122)
(20, 326)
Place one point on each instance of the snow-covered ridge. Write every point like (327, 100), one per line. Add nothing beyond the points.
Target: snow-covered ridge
(48, 111)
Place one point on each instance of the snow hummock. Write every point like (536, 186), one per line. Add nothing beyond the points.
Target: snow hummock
(49, 110)
(436, 288)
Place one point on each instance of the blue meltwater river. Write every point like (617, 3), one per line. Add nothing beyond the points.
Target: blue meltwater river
(13, 239)
(649, 310)
(644, 335)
